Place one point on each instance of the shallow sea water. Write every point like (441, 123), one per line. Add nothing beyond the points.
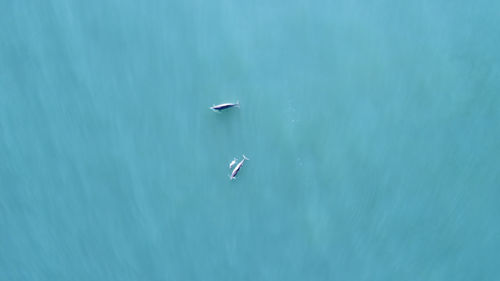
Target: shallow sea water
(372, 129)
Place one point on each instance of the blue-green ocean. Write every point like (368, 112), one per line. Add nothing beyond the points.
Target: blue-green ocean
(372, 128)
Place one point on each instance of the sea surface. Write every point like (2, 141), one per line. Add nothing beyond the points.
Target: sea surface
(372, 128)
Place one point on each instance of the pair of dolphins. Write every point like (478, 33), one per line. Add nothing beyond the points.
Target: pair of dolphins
(219, 108)
(237, 168)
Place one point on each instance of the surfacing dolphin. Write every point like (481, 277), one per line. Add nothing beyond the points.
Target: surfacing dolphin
(237, 168)
(223, 106)
(232, 163)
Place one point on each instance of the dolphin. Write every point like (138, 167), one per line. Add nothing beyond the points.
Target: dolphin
(237, 168)
(232, 163)
(223, 106)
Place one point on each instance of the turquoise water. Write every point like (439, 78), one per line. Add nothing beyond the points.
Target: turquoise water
(372, 128)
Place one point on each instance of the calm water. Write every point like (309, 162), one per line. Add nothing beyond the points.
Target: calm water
(372, 128)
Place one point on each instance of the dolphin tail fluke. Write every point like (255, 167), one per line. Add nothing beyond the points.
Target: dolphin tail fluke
(237, 103)
(245, 157)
